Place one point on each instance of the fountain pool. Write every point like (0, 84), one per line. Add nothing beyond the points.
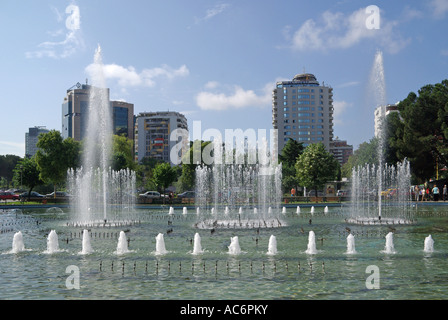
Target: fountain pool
(291, 273)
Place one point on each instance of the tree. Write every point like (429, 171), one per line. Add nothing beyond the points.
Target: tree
(316, 166)
(423, 135)
(55, 156)
(367, 153)
(288, 157)
(164, 175)
(7, 164)
(122, 156)
(27, 173)
(188, 177)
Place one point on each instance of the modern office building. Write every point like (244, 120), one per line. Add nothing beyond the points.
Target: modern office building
(31, 138)
(380, 113)
(75, 113)
(153, 134)
(341, 150)
(302, 110)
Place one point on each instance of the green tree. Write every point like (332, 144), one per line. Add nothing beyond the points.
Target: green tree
(288, 157)
(122, 155)
(316, 166)
(367, 153)
(7, 164)
(55, 156)
(164, 175)
(422, 137)
(188, 176)
(27, 173)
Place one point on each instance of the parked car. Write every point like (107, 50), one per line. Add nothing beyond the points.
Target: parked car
(187, 194)
(6, 195)
(59, 194)
(34, 194)
(151, 195)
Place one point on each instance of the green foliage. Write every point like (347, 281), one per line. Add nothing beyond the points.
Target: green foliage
(122, 155)
(288, 157)
(27, 173)
(316, 166)
(367, 153)
(7, 165)
(164, 175)
(55, 156)
(188, 177)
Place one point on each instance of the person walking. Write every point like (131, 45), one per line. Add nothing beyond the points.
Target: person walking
(435, 193)
(445, 193)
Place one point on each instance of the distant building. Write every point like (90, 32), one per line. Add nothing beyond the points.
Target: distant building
(341, 150)
(153, 131)
(380, 113)
(75, 111)
(31, 138)
(302, 110)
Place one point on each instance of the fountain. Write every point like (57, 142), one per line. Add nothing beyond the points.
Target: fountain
(86, 246)
(298, 210)
(17, 243)
(171, 211)
(52, 242)
(272, 247)
(351, 244)
(228, 187)
(100, 195)
(197, 247)
(381, 192)
(184, 210)
(311, 248)
(160, 245)
(122, 246)
(429, 244)
(389, 248)
(234, 247)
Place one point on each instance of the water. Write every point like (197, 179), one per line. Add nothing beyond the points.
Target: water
(410, 273)
(17, 243)
(197, 248)
(52, 242)
(160, 245)
(234, 247)
(351, 244)
(99, 193)
(389, 247)
(311, 248)
(86, 245)
(429, 244)
(272, 247)
(122, 245)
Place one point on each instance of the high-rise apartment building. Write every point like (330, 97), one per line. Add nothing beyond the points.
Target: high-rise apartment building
(381, 113)
(75, 112)
(341, 150)
(302, 110)
(31, 138)
(153, 134)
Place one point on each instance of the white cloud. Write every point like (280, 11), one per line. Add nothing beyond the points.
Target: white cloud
(339, 108)
(340, 31)
(348, 84)
(71, 44)
(211, 85)
(238, 99)
(9, 147)
(210, 13)
(130, 77)
(439, 8)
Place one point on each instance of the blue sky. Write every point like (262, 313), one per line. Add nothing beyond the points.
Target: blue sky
(215, 61)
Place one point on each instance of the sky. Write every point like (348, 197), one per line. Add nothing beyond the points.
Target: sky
(214, 61)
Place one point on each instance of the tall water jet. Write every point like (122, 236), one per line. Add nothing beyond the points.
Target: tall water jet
(197, 247)
(184, 211)
(160, 244)
(389, 248)
(298, 210)
(234, 247)
(272, 246)
(99, 193)
(351, 244)
(86, 246)
(52, 242)
(311, 248)
(17, 243)
(372, 203)
(122, 245)
(429, 244)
